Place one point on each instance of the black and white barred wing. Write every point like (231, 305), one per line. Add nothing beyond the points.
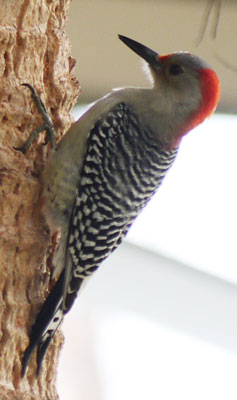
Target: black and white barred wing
(123, 167)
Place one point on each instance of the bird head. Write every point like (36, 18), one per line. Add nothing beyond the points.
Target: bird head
(188, 89)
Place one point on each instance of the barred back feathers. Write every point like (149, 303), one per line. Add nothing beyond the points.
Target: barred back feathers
(108, 166)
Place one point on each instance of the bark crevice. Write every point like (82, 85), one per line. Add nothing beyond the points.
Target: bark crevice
(35, 50)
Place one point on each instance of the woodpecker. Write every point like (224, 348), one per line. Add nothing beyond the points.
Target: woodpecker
(107, 167)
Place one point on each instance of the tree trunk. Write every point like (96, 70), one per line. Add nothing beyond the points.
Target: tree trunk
(34, 50)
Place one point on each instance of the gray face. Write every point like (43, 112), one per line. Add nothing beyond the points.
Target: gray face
(187, 61)
(180, 72)
(178, 78)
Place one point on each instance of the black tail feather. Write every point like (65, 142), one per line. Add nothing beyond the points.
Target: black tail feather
(41, 350)
(42, 321)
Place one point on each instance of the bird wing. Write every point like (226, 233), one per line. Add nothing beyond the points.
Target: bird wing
(122, 168)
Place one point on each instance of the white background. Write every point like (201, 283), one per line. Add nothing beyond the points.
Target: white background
(149, 325)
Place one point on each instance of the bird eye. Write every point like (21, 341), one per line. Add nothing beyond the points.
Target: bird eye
(175, 69)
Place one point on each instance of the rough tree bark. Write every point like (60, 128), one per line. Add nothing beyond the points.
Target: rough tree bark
(33, 49)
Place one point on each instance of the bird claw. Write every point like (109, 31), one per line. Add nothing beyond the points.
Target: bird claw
(47, 126)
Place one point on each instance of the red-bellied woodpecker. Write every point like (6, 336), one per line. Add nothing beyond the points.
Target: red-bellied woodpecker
(107, 167)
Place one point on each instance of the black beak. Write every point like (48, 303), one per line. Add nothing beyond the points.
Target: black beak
(149, 55)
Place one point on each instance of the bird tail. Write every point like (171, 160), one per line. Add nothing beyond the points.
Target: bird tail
(51, 316)
(45, 326)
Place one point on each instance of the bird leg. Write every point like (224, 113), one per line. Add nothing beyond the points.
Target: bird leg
(47, 126)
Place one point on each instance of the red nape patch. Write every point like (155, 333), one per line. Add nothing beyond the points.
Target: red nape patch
(210, 89)
(162, 58)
